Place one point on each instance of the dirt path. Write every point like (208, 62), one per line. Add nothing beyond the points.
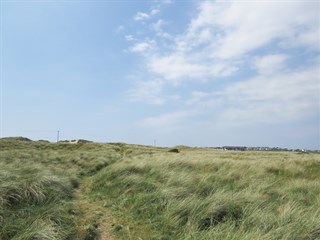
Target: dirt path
(95, 221)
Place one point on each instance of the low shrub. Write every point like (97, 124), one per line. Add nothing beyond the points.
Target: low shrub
(174, 150)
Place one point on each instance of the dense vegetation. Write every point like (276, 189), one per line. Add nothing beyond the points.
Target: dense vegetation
(81, 191)
(38, 187)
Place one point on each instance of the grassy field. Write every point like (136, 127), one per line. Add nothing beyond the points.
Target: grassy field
(119, 191)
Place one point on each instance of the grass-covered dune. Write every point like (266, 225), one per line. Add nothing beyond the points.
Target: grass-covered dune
(67, 191)
(38, 186)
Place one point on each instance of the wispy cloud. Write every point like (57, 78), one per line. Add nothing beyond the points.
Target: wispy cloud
(163, 1)
(270, 64)
(140, 16)
(143, 47)
(284, 96)
(120, 29)
(242, 56)
(158, 28)
(238, 30)
(167, 120)
(130, 38)
(175, 67)
(148, 92)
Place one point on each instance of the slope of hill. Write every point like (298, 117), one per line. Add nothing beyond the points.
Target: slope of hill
(91, 191)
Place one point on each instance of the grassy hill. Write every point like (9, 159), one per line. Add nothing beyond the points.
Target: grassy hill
(121, 191)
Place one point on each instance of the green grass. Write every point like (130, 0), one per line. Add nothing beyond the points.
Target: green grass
(37, 186)
(65, 191)
(212, 194)
(34, 204)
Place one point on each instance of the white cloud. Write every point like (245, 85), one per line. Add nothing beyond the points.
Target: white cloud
(120, 29)
(310, 39)
(222, 34)
(249, 68)
(222, 69)
(270, 64)
(175, 67)
(301, 85)
(154, 11)
(143, 47)
(167, 1)
(130, 38)
(147, 92)
(231, 39)
(157, 28)
(167, 120)
(163, 1)
(242, 27)
(197, 96)
(140, 16)
(158, 25)
(283, 97)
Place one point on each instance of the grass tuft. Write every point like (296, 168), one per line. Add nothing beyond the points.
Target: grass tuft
(227, 212)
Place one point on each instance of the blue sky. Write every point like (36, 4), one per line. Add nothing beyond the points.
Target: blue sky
(198, 73)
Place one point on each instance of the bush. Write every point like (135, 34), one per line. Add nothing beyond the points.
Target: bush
(174, 150)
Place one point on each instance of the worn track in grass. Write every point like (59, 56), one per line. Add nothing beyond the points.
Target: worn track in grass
(96, 221)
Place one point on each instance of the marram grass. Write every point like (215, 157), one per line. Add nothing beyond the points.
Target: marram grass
(64, 191)
(212, 194)
(37, 187)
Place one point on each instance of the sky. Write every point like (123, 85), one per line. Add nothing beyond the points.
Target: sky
(164, 72)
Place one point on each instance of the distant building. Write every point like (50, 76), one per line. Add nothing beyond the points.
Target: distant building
(234, 148)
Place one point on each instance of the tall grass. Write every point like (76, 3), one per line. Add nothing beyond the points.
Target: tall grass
(37, 182)
(60, 191)
(34, 204)
(211, 194)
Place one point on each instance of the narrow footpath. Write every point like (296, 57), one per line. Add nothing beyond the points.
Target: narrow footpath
(95, 221)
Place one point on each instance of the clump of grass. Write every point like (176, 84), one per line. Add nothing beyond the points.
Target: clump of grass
(31, 185)
(226, 212)
(34, 204)
(91, 231)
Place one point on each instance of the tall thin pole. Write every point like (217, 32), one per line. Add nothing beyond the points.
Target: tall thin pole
(58, 133)
(154, 142)
(1, 68)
